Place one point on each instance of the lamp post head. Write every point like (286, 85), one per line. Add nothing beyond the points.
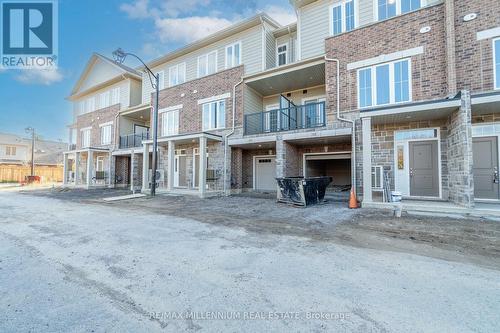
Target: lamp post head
(119, 55)
(28, 129)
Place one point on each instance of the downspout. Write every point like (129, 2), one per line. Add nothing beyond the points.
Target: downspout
(352, 122)
(230, 133)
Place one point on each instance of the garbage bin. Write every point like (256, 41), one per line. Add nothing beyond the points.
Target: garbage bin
(302, 191)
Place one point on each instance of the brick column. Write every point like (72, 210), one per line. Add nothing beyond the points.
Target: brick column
(90, 167)
(459, 149)
(237, 169)
(65, 169)
(287, 159)
(170, 165)
(203, 167)
(367, 159)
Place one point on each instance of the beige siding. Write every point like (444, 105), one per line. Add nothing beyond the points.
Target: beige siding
(291, 39)
(100, 73)
(270, 47)
(135, 92)
(251, 40)
(296, 97)
(253, 101)
(366, 12)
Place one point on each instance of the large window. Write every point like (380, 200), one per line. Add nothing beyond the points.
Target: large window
(233, 55)
(170, 123)
(214, 115)
(85, 137)
(282, 54)
(207, 64)
(496, 58)
(177, 74)
(390, 8)
(342, 17)
(384, 84)
(106, 130)
(10, 151)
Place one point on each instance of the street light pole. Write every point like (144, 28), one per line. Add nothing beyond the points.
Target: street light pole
(119, 55)
(32, 130)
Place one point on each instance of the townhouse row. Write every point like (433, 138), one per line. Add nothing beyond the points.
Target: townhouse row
(378, 94)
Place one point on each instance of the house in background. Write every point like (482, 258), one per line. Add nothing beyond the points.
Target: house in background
(15, 158)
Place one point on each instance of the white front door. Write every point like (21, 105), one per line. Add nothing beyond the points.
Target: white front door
(265, 173)
(180, 171)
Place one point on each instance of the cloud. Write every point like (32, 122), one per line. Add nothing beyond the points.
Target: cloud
(284, 15)
(40, 76)
(188, 29)
(142, 9)
(178, 7)
(139, 9)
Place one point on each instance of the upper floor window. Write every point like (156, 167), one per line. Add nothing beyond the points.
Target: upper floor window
(104, 99)
(233, 55)
(115, 96)
(390, 8)
(170, 123)
(496, 59)
(106, 130)
(282, 54)
(384, 84)
(10, 151)
(342, 17)
(207, 64)
(177, 74)
(85, 137)
(214, 115)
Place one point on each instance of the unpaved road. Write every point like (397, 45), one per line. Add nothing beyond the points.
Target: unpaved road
(80, 266)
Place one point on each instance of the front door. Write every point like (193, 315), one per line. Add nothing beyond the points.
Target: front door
(265, 173)
(180, 171)
(424, 170)
(485, 155)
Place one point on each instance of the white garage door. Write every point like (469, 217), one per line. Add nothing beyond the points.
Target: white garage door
(265, 173)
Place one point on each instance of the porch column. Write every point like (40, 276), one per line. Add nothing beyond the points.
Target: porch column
(77, 168)
(145, 168)
(367, 159)
(65, 169)
(170, 165)
(90, 167)
(203, 166)
(110, 171)
(132, 171)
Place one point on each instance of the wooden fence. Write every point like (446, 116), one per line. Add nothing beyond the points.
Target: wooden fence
(17, 173)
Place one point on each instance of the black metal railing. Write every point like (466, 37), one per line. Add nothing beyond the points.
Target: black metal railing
(133, 140)
(296, 117)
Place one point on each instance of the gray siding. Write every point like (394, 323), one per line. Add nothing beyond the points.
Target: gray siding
(252, 101)
(366, 13)
(270, 47)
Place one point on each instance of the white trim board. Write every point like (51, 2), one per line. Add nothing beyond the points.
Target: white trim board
(171, 108)
(106, 124)
(386, 58)
(214, 98)
(490, 33)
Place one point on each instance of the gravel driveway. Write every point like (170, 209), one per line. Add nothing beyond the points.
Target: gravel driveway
(168, 266)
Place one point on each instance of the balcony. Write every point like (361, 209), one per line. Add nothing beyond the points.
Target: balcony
(133, 140)
(287, 119)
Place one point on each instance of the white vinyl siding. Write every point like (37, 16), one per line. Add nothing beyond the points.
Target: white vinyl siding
(85, 138)
(214, 115)
(177, 74)
(170, 123)
(90, 104)
(106, 134)
(207, 64)
(233, 55)
(104, 100)
(385, 84)
(342, 17)
(496, 60)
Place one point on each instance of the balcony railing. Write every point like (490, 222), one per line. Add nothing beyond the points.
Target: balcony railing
(133, 140)
(296, 117)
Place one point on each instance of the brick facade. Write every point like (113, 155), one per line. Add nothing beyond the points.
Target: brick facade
(94, 119)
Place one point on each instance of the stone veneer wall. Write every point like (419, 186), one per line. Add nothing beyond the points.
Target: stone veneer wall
(122, 170)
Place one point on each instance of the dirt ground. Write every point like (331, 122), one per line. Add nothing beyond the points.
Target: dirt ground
(467, 240)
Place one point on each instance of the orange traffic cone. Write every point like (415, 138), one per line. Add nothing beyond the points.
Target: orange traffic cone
(353, 201)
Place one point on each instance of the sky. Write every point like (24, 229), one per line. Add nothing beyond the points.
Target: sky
(149, 28)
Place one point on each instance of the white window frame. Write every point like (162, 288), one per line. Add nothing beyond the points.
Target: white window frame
(496, 79)
(85, 137)
(211, 122)
(423, 3)
(392, 92)
(104, 99)
(177, 70)
(378, 172)
(229, 62)
(287, 44)
(99, 164)
(166, 129)
(105, 140)
(10, 151)
(206, 55)
(344, 17)
(115, 96)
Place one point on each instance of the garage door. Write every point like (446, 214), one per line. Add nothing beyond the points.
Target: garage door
(265, 173)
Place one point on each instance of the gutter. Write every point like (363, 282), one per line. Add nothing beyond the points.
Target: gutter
(352, 122)
(226, 139)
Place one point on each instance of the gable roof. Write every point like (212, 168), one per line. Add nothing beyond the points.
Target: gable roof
(94, 59)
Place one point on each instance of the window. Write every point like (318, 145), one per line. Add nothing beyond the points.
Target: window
(170, 123)
(100, 164)
(427, 133)
(85, 137)
(390, 8)
(496, 58)
(233, 55)
(106, 134)
(342, 17)
(282, 54)
(207, 64)
(384, 84)
(115, 96)
(377, 177)
(10, 151)
(104, 99)
(214, 115)
(177, 74)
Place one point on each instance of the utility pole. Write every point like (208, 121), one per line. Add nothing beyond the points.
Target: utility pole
(32, 130)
